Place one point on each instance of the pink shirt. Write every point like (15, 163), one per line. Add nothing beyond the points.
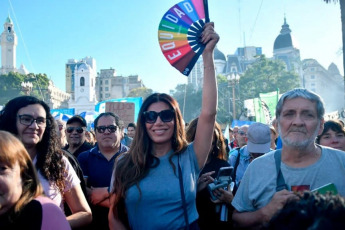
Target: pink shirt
(50, 188)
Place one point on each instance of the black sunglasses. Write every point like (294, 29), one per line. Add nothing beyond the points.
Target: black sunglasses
(110, 128)
(165, 115)
(78, 129)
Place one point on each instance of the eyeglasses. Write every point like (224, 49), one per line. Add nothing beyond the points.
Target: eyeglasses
(28, 120)
(242, 133)
(165, 115)
(78, 129)
(110, 128)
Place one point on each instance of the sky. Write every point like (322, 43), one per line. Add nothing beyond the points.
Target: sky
(123, 35)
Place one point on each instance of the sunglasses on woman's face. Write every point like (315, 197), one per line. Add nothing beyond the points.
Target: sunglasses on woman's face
(165, 115)
(78, 129)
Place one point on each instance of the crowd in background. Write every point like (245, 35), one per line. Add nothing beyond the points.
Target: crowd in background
(161, 173)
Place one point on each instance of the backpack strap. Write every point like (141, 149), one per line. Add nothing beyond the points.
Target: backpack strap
(237, 162)
(280, 178)
(182, 193)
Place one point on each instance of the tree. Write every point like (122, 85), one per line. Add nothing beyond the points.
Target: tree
(189, 100)
(10, 86)
(342, 17)
(140, 92)
(265, 76)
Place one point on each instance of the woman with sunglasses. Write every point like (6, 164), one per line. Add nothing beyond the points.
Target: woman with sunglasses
(156, 180)
(29, 119)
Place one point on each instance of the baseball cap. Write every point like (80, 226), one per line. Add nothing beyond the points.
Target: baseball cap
(259, 138)
(77, 118)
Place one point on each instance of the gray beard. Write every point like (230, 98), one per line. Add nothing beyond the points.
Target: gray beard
(300, 145)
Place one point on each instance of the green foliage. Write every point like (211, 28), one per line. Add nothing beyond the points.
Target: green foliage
(10, 85)
(140, 92)
(189, 100)
(265, 76)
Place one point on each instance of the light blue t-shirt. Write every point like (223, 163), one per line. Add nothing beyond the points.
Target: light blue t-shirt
(258, 184)
(160, 204)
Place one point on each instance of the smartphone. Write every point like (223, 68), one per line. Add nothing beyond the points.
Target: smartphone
(224, 173)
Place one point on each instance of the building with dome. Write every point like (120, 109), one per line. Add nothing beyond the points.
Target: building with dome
(285, 48)
(313, 76)
(9, 42)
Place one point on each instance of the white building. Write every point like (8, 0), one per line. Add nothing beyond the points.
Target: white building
(84, 83)
(9, 43)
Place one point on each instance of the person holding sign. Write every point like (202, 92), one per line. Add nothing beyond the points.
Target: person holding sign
(155, 182)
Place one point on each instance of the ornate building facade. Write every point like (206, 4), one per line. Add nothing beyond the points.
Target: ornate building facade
(109, 85)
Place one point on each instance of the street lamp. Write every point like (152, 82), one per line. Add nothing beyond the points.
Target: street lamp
(26, 87)
(233, 80)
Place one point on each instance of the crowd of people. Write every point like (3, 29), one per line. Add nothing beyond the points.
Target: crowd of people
(166, 174)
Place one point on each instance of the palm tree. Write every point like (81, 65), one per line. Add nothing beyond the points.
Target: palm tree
(342, 13)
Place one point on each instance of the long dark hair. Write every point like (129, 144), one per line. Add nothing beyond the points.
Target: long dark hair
(218, 145)
(135, 165)
(49, 155)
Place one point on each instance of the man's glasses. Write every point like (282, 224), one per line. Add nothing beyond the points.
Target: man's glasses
(78, 129)
(28, 120)
(242, 133)
(165, 115)
(110, 128)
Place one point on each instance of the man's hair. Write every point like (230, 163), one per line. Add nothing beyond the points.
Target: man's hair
(118, 122)
(132, 125)
(301, 93)
(311, 211)
(77, 118)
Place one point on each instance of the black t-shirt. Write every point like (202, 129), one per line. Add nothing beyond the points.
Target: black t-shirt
(30, 218)
(209, 218)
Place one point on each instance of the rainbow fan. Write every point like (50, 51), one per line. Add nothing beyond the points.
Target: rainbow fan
(179, 33)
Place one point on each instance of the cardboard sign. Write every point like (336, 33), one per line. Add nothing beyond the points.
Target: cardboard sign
(125, 110)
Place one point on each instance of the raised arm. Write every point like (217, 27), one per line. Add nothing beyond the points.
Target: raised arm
(204, 131)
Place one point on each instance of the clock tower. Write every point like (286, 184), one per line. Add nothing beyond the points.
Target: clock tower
(8, 47)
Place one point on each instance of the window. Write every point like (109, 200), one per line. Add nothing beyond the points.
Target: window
(106, 82)
(82, 81)
(106, 88)
(312, 77)
(313, 89)
(312, 69)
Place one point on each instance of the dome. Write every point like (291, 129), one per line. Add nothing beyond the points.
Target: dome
(284, 39)
(218, 55)
(333, 69)
(8, 20)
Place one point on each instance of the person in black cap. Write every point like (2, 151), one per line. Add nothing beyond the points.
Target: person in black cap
(75, 133)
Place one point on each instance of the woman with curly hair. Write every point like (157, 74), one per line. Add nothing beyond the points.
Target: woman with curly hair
(22, 205)
(209, 211)
(29, 119)
(156, 179)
